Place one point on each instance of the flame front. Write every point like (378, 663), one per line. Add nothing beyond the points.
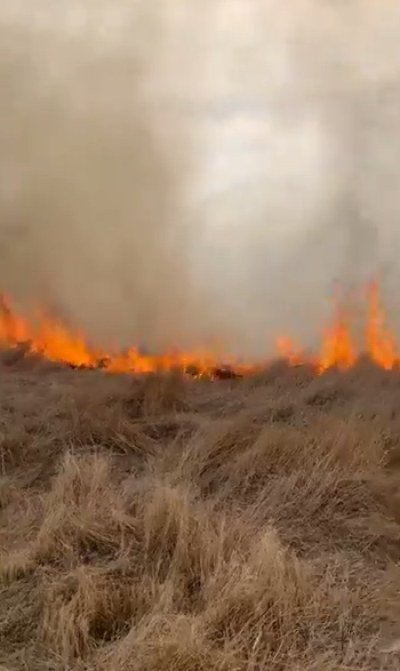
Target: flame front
(53, 340)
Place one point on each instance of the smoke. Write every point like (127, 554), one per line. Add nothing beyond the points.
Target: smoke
(174, 173)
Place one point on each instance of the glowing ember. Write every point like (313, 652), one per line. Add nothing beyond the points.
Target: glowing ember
(56, 342)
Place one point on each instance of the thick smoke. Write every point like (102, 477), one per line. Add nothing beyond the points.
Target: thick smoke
(175, 173)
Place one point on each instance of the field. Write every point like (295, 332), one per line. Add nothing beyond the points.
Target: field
(161, 523)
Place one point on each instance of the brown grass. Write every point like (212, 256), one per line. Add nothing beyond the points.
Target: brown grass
(162, 524)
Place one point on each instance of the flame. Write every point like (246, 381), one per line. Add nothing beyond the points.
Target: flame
(338, 348)
(380, 341)
(53, 340)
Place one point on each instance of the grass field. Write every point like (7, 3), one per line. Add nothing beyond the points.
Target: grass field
(159, 523)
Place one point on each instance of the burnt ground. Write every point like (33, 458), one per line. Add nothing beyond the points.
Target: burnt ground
(161, 523)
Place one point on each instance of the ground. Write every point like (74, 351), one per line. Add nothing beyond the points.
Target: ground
(165, 524)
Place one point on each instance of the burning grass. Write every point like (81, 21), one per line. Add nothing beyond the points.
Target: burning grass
(168, 523)
(40, 335)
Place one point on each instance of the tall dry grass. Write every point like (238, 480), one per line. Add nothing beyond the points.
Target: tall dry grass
(166, 524)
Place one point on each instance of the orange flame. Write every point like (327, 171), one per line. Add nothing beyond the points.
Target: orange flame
(53, 340)
(380, 341)
(337, 348)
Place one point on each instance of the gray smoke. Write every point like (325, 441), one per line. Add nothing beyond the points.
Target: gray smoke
(175, 173)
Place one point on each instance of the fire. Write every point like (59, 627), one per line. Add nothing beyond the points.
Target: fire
(380, 341)
(339, 348)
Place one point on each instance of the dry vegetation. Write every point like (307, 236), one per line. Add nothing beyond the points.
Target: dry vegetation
(166, 524)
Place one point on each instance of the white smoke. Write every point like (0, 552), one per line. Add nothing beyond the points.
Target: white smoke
(174, 172)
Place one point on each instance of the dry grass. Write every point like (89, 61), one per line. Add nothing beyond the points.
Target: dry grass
(162, 524)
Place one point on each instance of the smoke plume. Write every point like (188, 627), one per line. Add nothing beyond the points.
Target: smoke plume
(184, 172)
